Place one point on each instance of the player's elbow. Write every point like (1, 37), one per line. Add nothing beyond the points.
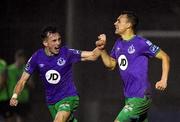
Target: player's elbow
(110, 67)
(166, 57)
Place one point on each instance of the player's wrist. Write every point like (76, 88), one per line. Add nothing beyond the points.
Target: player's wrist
(164, 80)
(14, 96)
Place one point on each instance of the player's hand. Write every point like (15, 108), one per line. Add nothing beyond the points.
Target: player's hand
(161, 85)
(101, 41)
(13, 102)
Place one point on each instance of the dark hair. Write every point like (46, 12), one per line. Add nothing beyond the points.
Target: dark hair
(48, 29)
(132, 18)
(20, 53)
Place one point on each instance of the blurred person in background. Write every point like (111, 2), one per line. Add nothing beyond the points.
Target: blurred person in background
(54, 63)
(5, 114)
(131, 53)
(14, 72)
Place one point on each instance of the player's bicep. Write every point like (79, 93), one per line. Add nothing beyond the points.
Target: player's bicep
(161, 54)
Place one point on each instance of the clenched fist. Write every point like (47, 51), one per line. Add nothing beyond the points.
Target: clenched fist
(161, 85)
(13, 102)
(101, 42)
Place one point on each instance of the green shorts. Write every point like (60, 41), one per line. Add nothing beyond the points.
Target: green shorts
(67, 104)
(135, 109)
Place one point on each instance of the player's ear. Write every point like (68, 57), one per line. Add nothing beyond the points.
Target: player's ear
(45, 43)
(129, 25)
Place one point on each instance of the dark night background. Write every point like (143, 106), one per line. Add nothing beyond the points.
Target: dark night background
(80, 22)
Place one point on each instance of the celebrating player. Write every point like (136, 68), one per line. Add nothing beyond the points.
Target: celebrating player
(132, 52)
(54, 63)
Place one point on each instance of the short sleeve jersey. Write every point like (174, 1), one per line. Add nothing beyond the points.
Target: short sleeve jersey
(55, 72)
(132, 57)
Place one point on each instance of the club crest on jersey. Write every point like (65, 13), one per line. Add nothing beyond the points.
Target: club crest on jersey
(61, 61)
(131, 49)
(53, 76)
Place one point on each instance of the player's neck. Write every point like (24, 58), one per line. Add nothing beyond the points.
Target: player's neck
(47, 52)
(127, 36)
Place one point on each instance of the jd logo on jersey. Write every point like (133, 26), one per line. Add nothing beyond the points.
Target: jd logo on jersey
(52, 76)
(123, 62)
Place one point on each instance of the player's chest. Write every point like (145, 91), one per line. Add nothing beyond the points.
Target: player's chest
(54, 63)
(126, 55)
(129, 50)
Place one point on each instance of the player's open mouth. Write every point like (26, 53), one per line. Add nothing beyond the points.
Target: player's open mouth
(57, 48)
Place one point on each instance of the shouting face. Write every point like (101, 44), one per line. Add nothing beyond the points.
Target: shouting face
(52, 43)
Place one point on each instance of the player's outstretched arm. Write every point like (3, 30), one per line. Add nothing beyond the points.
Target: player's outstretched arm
(18, 88)
(162, 84)
(90, 55)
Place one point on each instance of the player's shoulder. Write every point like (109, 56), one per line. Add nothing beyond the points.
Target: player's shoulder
(118, 41)
(143, 40)
(36, 55)
(71, 50)
(140, 38)
(38, 52)
(64, 48)
(41, 50)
